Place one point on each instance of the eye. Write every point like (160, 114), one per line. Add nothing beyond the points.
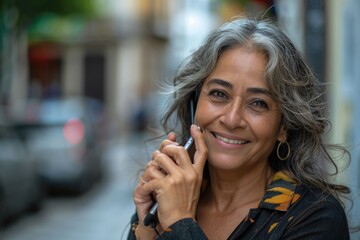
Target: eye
(259, 104)
(218, 95)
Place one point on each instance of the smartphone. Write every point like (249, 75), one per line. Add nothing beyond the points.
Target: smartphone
(150, 217)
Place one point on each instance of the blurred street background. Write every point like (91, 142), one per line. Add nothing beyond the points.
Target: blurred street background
(80, 102)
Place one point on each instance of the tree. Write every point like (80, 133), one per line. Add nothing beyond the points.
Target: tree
(16, 17)
(30, 10)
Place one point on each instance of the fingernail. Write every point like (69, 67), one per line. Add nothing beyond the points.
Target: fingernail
(196, 127)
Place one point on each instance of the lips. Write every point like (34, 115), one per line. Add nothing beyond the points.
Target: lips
(230, 141)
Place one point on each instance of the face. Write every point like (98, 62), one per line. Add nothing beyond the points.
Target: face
(239, 117)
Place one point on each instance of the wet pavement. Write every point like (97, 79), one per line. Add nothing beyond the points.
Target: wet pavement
(102, 213)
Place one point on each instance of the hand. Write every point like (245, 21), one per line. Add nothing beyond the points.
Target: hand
(175, 180)
(143, 199)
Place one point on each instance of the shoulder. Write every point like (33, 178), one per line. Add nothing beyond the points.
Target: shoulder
(317, 212)
(314, 198)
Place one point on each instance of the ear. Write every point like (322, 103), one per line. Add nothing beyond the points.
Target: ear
(282, 136)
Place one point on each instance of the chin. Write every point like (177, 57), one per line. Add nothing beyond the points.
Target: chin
(222, 162)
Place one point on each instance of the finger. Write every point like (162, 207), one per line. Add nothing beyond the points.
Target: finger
(201, 150)
(151, 187)
(142, 181)
(153, 171)
(165, 143)
(155, 163)
(166, 162)
(141, 193)
(171, 136)
(179, 155)
(171, 139)
(152, 162)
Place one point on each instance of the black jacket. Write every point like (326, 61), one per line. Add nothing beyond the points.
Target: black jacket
(287, 211)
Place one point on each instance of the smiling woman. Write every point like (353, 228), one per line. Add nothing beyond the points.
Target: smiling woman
(240, 120)
(256, 169)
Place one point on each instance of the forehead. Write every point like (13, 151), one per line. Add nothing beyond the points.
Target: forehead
(240, 65)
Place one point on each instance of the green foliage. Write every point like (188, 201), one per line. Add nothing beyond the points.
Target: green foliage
(239, 2)
(29, 10)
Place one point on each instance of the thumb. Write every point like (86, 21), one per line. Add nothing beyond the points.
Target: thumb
(201, 150)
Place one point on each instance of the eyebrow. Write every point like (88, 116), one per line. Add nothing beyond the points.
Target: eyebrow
(261, 91)
(220, 82)
(228, 85)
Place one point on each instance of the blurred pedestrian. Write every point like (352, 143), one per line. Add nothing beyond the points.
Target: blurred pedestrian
(258, 165)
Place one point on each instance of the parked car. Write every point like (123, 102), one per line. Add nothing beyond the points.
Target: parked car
(20, 188)
(62, 136)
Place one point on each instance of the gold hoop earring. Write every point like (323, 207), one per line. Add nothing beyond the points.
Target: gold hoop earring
(288, 151)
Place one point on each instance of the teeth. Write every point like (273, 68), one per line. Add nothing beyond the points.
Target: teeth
(230, 141)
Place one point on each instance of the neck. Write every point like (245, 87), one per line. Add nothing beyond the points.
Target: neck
(230, 190)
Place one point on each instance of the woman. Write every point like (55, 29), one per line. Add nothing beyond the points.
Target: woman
(256, 167)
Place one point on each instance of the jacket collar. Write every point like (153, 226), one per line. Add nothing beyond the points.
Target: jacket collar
(280, 194)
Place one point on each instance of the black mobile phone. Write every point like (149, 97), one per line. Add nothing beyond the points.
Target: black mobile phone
(150, 217)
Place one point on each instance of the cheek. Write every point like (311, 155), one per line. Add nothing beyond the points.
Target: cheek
(205, 113)
(267, 128)
(200, 114)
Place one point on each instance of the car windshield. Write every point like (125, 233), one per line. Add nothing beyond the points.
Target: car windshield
(47, 138)
(54, 111)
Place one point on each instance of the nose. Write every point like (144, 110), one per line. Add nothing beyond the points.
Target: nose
(233, 116)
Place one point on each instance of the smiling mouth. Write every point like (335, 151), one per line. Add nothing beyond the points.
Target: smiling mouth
(229, 141)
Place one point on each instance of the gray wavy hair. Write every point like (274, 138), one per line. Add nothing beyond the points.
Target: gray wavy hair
(300, 95)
